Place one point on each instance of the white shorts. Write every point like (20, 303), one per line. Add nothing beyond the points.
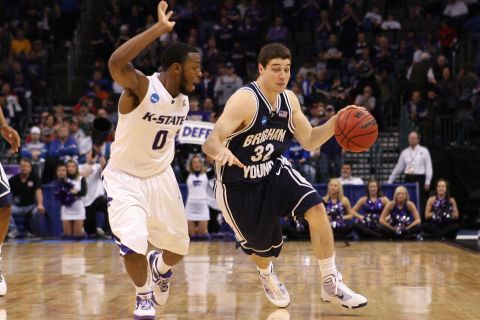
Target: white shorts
(143, 210)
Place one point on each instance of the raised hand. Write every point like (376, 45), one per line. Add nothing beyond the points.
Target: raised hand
(164, 17)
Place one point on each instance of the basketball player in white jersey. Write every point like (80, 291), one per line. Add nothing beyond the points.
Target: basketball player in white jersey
(13, 139)
(144, 200)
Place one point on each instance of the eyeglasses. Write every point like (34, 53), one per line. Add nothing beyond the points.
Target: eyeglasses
(329, 110)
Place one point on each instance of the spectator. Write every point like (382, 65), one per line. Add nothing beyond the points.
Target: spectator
(226, 85)
(333, 55)
(103, 41)
(348, 23)
(400, 218)
(416, 164)
(317, 113)
(446, 86)
(420, 74)
(441, 213)
(338, 209)
(205, 88)
(278, 32)
(323, 31)
(59, 151)
(20, 45)
(94, 200)
(373, 19)
(371, 207)
(338, 98)
(224, 33)
(391, 23)
(196, 207)
(195, 113)
(72, 212)
(440, 63)
(456, 11)
(366, 99)
(416, 108)
(472, 26)
(447, 37)
(347, 178)
(27, 197)
(36, 151)
(248, 34)
(300, 159)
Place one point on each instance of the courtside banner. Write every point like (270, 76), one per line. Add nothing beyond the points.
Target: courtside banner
(195, 132)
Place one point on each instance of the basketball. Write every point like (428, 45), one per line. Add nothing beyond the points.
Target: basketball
(356, 130)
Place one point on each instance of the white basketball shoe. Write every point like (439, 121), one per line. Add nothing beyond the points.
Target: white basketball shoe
(144, 309)
(161, 282)
(334, 290)
(274, 289)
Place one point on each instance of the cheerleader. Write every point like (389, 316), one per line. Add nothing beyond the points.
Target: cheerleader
(400, 218)
(371, 207)
(72, 211)
(441, 213)
(196, 208)
(339, 210)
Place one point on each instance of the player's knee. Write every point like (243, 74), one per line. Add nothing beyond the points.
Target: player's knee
(315, 214)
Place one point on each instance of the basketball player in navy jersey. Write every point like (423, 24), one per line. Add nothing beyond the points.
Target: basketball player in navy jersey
(144, 200)
(11, 135)
(256, 184)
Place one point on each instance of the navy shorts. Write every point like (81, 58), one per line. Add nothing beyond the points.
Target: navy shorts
(253, 210)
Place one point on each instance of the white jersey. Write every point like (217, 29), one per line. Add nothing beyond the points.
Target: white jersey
(144, 143)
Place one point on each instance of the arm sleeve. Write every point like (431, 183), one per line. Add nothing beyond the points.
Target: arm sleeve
(83, 188)
(399, 167)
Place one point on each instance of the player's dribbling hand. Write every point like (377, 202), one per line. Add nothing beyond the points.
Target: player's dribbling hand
(227, 157)
(11, 135)
(352, 106)
(164, 17)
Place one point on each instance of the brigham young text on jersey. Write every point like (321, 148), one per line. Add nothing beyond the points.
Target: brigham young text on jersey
(263, 140)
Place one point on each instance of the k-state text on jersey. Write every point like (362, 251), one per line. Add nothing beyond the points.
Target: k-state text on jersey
(267, 134)
(167, 120)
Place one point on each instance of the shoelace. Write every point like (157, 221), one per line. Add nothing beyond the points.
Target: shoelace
(274, 284)
(146, 302)
(164, 284)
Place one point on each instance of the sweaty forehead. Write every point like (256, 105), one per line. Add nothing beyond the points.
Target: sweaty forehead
(279, 63)
(193, 57)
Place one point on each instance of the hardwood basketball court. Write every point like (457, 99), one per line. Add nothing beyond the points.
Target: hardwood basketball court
(86, 280)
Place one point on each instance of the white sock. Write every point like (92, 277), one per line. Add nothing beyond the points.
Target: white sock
(143, 289)
(327, 266)
(162, 267)
(266, 272)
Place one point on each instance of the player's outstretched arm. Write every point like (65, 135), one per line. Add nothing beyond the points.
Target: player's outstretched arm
(119, 64)
(238, 113)
(312, 138)
(10, 134)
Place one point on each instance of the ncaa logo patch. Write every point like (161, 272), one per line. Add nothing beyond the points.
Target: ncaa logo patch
(264, 120)
(154, 98)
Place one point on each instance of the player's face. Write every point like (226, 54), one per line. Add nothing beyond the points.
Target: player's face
(190, 74)
(441, 188)
(373, 189)
(276, 74)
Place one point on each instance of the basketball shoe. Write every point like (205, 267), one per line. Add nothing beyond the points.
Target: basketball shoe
(3, 284)
(161, 282)
(144, 309)
(274, 289)
(334, 290)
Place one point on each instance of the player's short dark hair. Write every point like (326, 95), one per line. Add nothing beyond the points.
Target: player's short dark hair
(176, 53)
(273, 51)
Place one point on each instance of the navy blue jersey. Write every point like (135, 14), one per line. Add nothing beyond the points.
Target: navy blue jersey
(260, 143)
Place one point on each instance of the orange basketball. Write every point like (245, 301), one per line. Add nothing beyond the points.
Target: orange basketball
(356, 130)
